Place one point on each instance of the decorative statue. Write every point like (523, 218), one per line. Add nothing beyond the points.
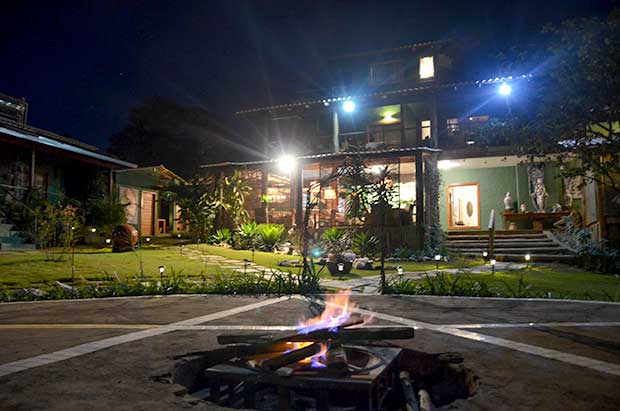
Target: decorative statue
(508, 202)
(556, 208)
(539, 196)
(523, 208)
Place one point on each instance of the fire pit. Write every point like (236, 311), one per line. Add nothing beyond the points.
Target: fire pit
(334, 361)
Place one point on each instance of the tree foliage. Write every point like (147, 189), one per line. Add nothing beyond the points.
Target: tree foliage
(572, 113)
(160, 131)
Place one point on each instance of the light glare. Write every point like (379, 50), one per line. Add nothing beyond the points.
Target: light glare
(348, 106)
(505, 89)
(286, 163)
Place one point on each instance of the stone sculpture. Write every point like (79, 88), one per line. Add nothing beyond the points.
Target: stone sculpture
(508, 202)
(539, 196)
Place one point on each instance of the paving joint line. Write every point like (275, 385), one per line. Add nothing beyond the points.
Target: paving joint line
(87, 348)
(597, 365)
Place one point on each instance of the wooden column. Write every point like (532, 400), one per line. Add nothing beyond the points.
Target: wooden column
(419, 197)
(264, 185)
(434, 121)
(336, 132)
(297, 192)
(403, 137)
(32, 167)
(111, 185)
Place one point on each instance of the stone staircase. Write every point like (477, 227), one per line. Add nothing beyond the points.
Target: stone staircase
(510, 245)
(11, 240)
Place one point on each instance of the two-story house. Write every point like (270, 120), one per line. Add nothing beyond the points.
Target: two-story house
(412, 108)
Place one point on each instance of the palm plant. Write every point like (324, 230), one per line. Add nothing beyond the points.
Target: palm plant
(270, 236)
(365, 244)
(222, 236)
(246, 235)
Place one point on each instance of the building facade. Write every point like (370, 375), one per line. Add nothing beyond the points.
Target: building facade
(414, 110)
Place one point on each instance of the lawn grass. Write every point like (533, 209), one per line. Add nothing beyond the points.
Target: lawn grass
(560, 281)
(271, 260)
(24, 269)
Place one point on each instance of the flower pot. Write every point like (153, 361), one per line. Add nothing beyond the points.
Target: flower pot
(341, 267)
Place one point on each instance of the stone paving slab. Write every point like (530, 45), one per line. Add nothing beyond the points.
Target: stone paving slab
(119, 377)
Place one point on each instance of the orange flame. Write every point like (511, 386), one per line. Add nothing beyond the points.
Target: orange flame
(337, 312)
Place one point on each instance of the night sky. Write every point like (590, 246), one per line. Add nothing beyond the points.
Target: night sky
(83, 65)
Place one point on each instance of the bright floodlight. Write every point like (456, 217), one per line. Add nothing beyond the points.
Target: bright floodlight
(348, 106)
(286, 163)
(505, 89)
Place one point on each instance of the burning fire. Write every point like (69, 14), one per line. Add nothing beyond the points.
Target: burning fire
(337, 312)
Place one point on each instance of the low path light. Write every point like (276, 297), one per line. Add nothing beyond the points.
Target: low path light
(493, 261)
(437, 259)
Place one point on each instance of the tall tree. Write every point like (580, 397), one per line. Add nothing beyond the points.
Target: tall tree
(182, 138)
(572, 113)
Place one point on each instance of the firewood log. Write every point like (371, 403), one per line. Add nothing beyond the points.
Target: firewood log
(412, 402)
(291, 357)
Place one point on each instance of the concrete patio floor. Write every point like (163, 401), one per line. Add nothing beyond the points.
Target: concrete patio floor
(100, 354)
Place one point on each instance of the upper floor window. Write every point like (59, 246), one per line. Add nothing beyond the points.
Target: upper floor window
(427, 67)
(388, 72)
(425, 128)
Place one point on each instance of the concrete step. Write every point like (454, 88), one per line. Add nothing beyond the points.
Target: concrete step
(520, 251)
(501, 237)
(502, 243)
(16, 247)
(536, 258)
(497, 232)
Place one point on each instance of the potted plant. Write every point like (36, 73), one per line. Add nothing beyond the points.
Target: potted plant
(336, 242)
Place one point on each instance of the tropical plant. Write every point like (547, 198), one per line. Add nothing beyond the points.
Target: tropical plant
(198, 214)
(105, 214)
(270, 236)
(335, 240)
(223, 236)
(229, 199)
(441, 284)
(365, 244)
(58, 226)
(246, 235)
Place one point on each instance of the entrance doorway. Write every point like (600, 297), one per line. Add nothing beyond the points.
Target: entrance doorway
(147, 218)
(464, 206)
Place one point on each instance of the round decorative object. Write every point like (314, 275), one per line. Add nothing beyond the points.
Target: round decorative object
(124, 238)
(470, 209)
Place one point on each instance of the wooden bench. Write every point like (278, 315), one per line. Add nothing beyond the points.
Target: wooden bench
(537, 219)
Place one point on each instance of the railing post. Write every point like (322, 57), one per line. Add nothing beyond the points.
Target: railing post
(492, 234)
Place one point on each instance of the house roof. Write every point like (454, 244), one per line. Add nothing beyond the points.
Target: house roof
(49, 139)
(160, 169)
(409, 46)
(407, 90)
(329, 156)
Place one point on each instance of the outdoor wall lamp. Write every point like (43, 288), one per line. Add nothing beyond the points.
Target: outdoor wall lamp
(286, 163)
(348, 106)
(505, 89)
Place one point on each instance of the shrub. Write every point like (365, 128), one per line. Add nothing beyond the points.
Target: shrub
(442, 284)
(105, 215)
(222, 236)
(270, 236)
(365, 244)
(246, 235)
(335, 240)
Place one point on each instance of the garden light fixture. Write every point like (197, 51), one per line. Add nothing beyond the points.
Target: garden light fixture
(286, 163)
(485, 254)
(493, 266)
(400, 270)
(437, 259)
(93, 230)
(148, 239)
(161, 272)
(348, 106)
(340, 267)
(505, 89)
(528, 257)
(108, 241)
(178, 235)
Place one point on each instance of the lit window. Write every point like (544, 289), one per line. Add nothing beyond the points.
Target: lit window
(426, 129)
(427, 67)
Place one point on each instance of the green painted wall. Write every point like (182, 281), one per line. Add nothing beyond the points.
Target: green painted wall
(138, 178)
(494, 183)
